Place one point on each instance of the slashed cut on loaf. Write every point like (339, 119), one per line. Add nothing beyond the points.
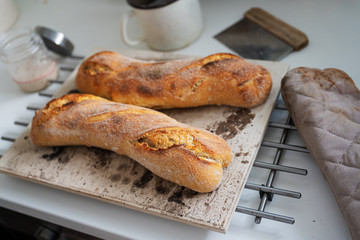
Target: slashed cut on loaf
(218, 79)
(186, 155)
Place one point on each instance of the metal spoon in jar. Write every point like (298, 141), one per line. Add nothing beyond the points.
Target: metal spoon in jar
(56, 42)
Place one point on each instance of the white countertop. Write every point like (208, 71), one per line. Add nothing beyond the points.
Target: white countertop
(334, 34)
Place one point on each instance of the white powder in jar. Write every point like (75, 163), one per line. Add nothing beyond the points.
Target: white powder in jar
(32, 78)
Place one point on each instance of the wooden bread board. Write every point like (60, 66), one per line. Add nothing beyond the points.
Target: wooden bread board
(106, 176)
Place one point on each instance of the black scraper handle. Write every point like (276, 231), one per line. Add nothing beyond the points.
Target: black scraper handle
(279, 28)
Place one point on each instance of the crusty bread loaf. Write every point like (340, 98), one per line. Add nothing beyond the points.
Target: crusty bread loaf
(220, 79)
(186, 155)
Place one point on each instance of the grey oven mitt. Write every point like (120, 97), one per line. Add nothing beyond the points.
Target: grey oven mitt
(325, 108)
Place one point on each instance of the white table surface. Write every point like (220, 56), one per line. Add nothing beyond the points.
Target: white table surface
(333, 29)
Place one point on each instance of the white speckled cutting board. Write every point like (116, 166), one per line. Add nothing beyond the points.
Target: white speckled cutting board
(117, 179)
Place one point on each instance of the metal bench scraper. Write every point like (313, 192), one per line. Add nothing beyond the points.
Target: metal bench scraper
(260, 35)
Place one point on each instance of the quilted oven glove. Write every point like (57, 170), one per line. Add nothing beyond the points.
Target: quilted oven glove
(325, 107)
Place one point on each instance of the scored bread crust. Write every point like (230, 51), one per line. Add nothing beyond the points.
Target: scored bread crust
(189, 156)
(218, 79)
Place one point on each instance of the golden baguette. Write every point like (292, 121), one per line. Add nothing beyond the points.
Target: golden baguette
(186, 155)
(219, 79)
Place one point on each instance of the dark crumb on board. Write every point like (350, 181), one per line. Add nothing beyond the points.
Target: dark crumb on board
(234, 123)
(126, 181)
(161, 189)
(188, 193)
(162, 186)
(57, 153)
(103, 157)
(177, 197)
(115, 178)
(146, 177)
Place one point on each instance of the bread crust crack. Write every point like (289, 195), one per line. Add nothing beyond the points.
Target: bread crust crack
(161, 139)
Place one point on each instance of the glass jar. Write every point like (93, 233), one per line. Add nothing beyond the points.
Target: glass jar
(27, 59)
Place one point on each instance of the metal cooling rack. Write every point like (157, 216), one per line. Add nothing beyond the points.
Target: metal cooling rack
(266, 191)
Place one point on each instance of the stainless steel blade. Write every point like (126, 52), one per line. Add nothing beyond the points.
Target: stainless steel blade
(251, 41)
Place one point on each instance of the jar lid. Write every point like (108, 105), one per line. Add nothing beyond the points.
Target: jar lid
(55, 41)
